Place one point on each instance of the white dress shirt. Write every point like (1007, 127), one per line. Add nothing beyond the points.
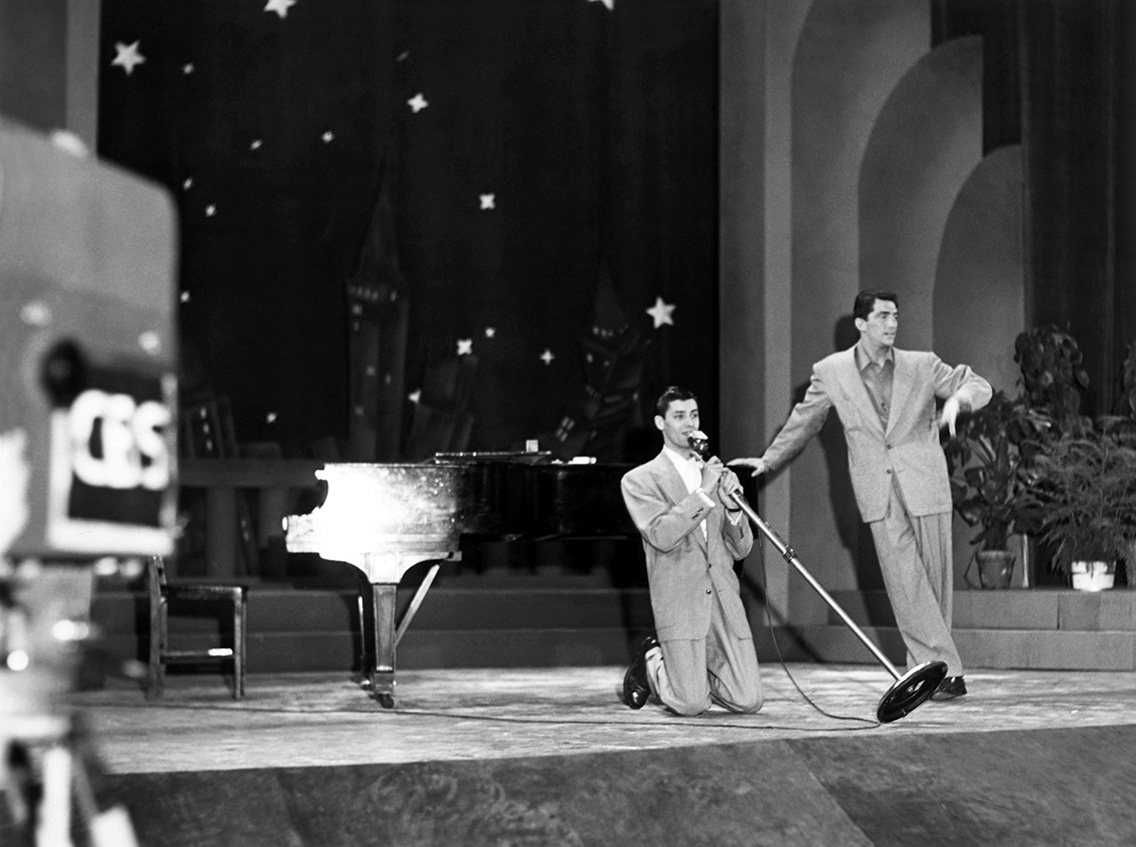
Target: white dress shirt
(690, 469)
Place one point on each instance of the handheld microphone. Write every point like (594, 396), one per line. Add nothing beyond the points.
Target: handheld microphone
(699, 442)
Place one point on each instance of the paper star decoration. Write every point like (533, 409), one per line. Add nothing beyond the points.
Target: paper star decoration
(488, 201)
(188, 68)
(210, 210)
(417, 103)
(127, 56)
(490, 331)
(184, 297)
(661, 312)
(414, 396)
(547, 356)
(609, 3)
(465, 346)
(270, 417)
(280, 7)
(328, 137)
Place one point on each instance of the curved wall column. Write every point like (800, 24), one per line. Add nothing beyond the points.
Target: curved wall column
(925, 143)
(979, 297)
(850, 56)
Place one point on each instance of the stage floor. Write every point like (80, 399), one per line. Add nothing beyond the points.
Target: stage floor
(313, 720)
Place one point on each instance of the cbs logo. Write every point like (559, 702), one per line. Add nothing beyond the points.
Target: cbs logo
(119, 443)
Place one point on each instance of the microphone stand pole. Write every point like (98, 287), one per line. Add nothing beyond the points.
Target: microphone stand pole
(910, 690)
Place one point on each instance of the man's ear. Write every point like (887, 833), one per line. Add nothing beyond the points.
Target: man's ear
(659, 422)
(860, 323)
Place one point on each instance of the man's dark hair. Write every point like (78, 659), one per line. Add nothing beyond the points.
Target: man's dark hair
(866, 301)
(672, 394)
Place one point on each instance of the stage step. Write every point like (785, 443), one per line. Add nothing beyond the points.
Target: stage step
(1040, 628)
(317, 629)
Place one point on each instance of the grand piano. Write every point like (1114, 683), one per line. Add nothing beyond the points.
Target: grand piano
(387, 518)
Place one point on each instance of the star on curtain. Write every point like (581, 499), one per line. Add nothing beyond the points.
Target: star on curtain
(661, 312)
(609, 3)
(547, 356)
(465, 346)
(280, 7)
(488, 201)
(417, 103)
(127, 56)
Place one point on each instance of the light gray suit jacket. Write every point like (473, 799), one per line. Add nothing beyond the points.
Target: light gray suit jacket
(907, 449)
(681, 562)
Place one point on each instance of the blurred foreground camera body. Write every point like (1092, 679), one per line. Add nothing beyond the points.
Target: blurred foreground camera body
(87, 356)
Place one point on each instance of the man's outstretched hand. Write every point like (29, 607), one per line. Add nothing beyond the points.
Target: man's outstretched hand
(758, 465)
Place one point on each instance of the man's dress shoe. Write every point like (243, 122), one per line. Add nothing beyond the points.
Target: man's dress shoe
(636, 689)
(950, 688)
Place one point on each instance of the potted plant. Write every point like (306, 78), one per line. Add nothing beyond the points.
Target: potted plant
(1080, 492)
(986, 460)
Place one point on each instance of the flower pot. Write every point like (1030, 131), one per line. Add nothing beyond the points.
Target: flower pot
(995, 568)
(1092, 576)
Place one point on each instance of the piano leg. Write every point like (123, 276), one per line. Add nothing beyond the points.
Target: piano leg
(383, 598)
(385, 571)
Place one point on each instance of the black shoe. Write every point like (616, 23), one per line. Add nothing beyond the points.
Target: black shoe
(636, 689)
(950, 688)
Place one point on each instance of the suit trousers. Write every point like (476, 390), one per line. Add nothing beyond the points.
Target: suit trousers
(915, 556)
(687, 675)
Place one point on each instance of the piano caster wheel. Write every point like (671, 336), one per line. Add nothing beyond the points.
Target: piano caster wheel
(386, 700)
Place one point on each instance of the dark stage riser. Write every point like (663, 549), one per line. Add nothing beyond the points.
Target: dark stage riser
(1023, 788)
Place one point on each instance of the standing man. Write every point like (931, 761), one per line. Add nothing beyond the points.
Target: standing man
(886, 400)
(692, 534)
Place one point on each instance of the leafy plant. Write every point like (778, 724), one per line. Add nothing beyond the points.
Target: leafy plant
(986, 459)
(1052, 376)
(1080, 493)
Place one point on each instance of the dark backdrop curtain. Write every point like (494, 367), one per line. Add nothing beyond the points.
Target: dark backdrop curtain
(1058, 79)
(595, 130)
(1069, 119)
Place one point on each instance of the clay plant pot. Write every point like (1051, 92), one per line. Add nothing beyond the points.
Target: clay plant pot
(995, 568)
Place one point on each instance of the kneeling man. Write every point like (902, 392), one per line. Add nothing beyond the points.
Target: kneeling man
(693, 532)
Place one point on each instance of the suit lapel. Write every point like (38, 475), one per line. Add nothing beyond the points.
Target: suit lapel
(852, 378)
(900, 387)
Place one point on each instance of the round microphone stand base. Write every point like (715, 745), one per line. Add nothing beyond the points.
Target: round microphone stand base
(910, 691)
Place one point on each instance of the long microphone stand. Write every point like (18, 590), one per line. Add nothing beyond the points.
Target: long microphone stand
(910, 690)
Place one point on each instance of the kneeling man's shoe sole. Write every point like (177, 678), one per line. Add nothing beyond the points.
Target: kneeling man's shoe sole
(636, 689)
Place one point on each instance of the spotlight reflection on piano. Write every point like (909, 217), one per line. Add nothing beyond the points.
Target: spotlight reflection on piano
(374, 507)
